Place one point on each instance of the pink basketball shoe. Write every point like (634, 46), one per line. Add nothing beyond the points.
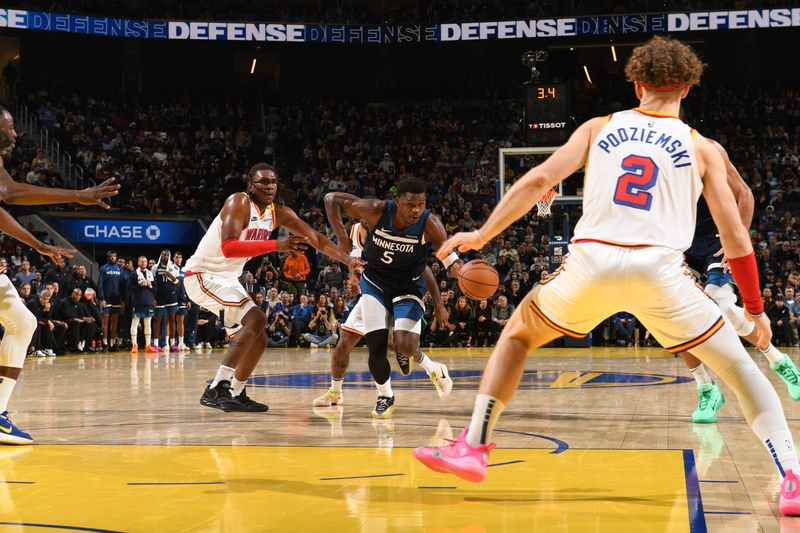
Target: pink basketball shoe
(458, 458)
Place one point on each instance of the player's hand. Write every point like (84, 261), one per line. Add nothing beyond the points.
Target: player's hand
(726, 267)
(102, 303)
(55, 253)
(441, 313)
(346, 246)
(292, 243)
(95, 195)
(356, 264)
(463, 242)
(763, 330)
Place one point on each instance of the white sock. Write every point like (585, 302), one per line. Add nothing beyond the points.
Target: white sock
(237, 386)
(6, 388)
(134, 330)
(180, 341)
(169, 341)
(148, 331)
(781, 446)
(385, 389)
(155, 343)
(484, 416)
(772, 354)
(700, 375)
(225, 373)
(428, 364)
(336, 384)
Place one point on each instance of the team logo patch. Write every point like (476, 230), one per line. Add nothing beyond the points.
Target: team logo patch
(531, 379)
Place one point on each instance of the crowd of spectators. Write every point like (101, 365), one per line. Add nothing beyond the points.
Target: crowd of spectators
(183, 154)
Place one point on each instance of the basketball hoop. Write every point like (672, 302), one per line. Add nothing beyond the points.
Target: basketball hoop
(543, 205)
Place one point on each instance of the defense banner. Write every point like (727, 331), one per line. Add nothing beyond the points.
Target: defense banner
(603, 25)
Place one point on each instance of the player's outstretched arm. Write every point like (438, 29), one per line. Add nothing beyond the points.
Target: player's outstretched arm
(437, 236)
(16, 193)
(524, 194)
(734, 236)
(741, 191)
(337, 203)
(12, 228)
(297, 226)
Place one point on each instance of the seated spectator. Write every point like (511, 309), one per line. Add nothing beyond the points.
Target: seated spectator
(331, 277)
(321, 328)
(482, 324)
(272, 298)
(780, 320)
(300, 318)
(81, 326)
(624, 324)
(25, 275)
(279, 330)
(262, 304)
(285, 304)
(25, 292)
(461, 316)
(501, 313)
(49, 336)
(251, 286)
(206, 329)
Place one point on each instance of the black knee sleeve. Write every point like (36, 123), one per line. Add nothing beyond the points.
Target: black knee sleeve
(378, 363)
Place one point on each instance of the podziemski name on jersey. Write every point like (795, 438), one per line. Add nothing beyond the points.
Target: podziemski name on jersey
(612, 139)
(547, 125)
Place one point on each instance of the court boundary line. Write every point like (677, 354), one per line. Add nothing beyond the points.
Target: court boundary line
(694, 499)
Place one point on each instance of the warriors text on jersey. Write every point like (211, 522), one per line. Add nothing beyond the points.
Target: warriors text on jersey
(395, 257)
(642, 182)
(209, 257)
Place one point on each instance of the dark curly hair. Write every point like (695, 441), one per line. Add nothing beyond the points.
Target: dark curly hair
(663, 62)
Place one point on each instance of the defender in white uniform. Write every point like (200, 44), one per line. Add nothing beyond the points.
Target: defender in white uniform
(243, 229)
(645, 170)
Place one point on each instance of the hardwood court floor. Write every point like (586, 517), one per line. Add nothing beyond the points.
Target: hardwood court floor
(596, 440)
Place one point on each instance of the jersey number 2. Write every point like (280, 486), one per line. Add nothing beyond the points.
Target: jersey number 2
(641, 175)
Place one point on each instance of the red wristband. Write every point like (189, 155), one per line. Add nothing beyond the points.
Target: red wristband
(236, 248)
(745, 272)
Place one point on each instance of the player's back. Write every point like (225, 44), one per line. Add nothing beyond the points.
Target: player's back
(642, 182)
(209, 257)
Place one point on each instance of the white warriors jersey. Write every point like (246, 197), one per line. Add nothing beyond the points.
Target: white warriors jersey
(641, 182)
(358, 238)
(209, 257)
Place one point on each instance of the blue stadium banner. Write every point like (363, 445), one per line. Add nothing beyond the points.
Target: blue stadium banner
(602, 25)
(113, 231)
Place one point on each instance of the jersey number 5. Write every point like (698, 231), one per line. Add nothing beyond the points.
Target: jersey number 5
(641, 175)
(387, 257)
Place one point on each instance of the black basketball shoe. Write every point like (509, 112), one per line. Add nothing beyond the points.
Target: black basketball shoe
(405, 363)
(215, 397)
(384, 407)
(243, 403)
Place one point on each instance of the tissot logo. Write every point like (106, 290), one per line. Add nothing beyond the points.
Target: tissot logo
(547, 125)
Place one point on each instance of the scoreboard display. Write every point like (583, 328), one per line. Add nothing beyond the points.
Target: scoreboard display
(547, 118)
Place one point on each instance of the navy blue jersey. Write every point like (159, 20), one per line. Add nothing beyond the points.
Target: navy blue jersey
(701, 255)
(165, 288)
(140, 296)
(396, 258)
(704, 226)
(108, 284)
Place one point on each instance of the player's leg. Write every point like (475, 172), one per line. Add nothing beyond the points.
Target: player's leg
(160, 313)
(113, 335)
(340, 360)
(20, 325)
(106, 327)
(709, 396)
(135, 334)
(180, 316)
(375, 312)
(570, 303)
(407, 314)
(172, 340)
(244, 352)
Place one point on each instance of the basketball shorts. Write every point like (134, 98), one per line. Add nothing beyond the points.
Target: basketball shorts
(111, 309)
(219, 293)
(145, 311)
(701, 258)
(182, 310)
(597, 280)
(377, 307)
(355, 320)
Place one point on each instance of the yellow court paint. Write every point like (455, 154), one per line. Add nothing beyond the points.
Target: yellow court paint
(255, 488)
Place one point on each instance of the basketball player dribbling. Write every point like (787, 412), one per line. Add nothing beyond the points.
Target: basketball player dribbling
(18, 321)
(706, 254)
(352, 331)
(645, 170)
(401, 235)
(242, 230)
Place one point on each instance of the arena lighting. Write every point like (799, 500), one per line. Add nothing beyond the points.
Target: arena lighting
(614, 53)
(586, 71)
(253, 66)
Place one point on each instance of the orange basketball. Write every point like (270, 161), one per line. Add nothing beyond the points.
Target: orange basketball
(478, 279)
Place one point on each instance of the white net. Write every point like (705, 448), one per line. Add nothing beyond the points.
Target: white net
(543, 205)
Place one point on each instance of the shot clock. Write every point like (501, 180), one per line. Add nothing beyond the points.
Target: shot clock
(547, 117)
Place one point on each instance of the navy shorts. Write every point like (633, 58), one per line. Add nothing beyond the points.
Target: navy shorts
(700, 257)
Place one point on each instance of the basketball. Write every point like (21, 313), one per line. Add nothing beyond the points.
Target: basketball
(478, 279)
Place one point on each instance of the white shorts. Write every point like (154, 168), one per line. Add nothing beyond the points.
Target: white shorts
(355, 321)
(599, 280)
(219, 294)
